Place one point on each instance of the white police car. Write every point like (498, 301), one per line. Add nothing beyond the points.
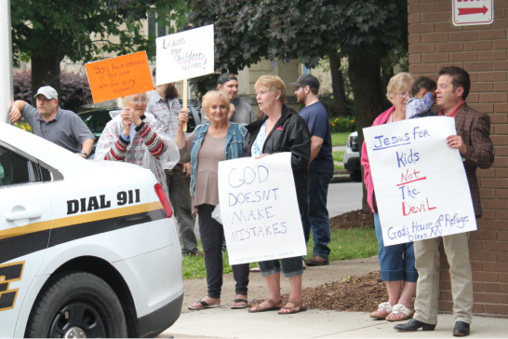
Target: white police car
(87, 249)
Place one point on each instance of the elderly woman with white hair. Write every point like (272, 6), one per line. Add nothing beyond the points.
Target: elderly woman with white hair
(136, 136)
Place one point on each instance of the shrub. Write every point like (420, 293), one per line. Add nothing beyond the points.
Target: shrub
(342, 124)
(74, 94)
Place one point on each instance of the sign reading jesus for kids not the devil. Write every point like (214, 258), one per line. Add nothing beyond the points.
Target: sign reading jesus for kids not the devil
(420, 183)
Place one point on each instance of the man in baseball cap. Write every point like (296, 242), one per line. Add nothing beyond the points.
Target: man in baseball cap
(306, 80)
(240, 111)
(53, 123)
(320, 168)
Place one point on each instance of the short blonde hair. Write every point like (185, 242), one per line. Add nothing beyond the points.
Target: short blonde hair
(274, 84)
(399, 82)
(210, 96)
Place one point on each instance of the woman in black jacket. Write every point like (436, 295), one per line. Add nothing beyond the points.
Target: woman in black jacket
(280, 130)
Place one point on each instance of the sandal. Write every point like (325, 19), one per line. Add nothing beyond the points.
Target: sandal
(384, 309)
(297, 308)
(201, 305)
(243, 304)
(273, 306)
(399, 309)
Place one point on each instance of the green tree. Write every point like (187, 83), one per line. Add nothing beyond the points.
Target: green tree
(46, 31)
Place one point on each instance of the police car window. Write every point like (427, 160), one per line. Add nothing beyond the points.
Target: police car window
(15, 169)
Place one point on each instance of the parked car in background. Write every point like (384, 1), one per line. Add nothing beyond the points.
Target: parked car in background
(82, 244)
(97, 118)
(352, 157)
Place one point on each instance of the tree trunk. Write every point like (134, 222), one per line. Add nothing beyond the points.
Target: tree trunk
(46, 71)
(365, 77)
(339, 94)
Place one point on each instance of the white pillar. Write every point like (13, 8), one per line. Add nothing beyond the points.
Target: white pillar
(6, 91)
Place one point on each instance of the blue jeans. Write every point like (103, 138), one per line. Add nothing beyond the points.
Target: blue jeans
(317, 217)
(291, 267)
(397, 261)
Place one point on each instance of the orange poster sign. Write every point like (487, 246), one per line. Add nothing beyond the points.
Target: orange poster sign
(118, 77)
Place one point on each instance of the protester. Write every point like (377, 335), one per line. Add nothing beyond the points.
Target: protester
(164, 105)
(280, 130)
(49, 121)
(217, 140)
(474, 144)
(396, 261)
(423, 93)
(239, 111)
(320, 168)
(135, 136)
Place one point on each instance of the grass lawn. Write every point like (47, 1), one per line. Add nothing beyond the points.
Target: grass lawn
(345, 244)
(339, 139)
(338, 156)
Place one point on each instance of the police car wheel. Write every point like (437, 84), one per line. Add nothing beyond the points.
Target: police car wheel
(77, 305)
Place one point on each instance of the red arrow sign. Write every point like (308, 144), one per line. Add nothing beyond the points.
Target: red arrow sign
(473, 10)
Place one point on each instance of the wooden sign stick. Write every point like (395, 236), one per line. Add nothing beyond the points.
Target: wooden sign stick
(185, 87)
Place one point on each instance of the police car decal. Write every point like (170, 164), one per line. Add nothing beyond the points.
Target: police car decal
(9, 273)
(19, 241)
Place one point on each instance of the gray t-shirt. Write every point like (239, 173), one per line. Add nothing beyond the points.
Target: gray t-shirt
(66, 129)
(243, 112)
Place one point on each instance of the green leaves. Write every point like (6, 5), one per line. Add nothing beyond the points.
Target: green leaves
(248, 30)
(83, 30)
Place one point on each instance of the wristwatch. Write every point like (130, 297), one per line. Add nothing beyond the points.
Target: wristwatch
(84, 153)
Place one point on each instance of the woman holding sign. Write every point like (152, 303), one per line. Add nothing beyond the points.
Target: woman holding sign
(210, 143)
(397, 261)
(281, 129)
(136, 137)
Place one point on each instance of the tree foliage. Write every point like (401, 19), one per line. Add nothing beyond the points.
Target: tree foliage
(46, 31)
(248, 30)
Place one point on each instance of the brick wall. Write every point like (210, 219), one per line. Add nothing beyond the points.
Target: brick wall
(483, 51)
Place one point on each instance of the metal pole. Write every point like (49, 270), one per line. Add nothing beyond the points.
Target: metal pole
(6, 91)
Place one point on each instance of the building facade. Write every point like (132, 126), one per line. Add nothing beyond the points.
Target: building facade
(434, 42)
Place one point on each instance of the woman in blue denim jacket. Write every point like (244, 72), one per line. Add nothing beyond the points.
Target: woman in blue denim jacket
(210, 143)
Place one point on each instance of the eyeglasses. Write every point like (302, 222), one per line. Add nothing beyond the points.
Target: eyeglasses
(138, 100)
(403, 95)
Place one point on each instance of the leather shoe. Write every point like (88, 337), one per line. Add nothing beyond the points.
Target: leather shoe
(317, 260)
(414, 325)
(461, 329)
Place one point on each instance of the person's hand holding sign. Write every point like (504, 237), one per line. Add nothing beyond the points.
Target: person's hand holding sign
(183, 119)
(455, 141)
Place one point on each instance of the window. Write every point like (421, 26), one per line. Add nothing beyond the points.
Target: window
(155, 29)
(15, 169)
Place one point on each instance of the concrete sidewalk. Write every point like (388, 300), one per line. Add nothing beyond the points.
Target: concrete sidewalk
(224, 322)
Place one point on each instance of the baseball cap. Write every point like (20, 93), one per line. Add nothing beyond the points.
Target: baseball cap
(225, 78)
(48, 91)
(306, 80)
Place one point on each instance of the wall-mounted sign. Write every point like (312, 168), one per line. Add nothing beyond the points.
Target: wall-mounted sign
(473, 12)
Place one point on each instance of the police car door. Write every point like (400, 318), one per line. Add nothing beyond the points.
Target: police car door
(25, 215)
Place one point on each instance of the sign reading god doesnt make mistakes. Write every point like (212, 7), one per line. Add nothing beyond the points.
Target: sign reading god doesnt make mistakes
(185, 55)
(420, 183)
(259, 209)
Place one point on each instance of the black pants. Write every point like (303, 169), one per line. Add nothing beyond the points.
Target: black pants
(212, 236)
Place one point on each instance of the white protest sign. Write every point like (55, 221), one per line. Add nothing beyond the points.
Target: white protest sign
(420, 183)
(259, 209)
(185, 55)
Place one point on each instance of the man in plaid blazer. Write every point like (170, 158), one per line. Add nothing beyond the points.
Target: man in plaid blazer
(475, 147)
